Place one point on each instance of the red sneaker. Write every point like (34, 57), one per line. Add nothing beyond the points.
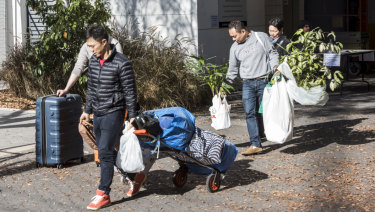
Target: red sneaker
(101, 200)
(136, 185)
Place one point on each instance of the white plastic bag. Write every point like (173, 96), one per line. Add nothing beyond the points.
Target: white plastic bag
(220, 113)
(278, 113)
(129, 156)
(314, 96)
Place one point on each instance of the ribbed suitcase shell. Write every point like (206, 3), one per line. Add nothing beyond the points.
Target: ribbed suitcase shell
(57, 137)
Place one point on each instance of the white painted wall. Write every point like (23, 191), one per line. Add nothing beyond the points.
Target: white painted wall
(215, 41)
(212, 41)
(3, 34)
(193, 19)
(14, 28)
(17, 21)
(177, 17)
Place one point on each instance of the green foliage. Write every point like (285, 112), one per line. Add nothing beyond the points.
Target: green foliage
(65, 31)
(211, 74)
(307, 66)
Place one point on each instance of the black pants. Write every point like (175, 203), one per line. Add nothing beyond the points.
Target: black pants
(107, 129)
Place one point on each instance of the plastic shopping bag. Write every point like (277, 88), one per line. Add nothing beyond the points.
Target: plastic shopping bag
(129, 156)
(314, 96)
(220, 113)
(278, 113)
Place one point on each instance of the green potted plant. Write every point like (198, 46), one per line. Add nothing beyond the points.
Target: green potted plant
(211, 74)
(306, 59)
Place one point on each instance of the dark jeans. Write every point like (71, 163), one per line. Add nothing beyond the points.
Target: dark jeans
(107, 129)
(252, 95)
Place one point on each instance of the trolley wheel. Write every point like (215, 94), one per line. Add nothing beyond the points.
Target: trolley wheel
(180, 177)
(82, 159)
(97, 164)
(211, 185)
(59, 166)
(37, 165)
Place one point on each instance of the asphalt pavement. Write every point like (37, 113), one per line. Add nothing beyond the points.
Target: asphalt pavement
(328, 166)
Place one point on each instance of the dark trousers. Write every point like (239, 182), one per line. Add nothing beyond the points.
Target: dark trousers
(107, 129)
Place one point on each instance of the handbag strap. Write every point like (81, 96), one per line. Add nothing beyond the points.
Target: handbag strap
(264, 48)
(260, 41)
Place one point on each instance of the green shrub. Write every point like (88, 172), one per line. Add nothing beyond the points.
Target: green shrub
(64, 35)
(159, 65)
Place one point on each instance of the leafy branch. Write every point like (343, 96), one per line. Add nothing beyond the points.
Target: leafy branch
(211, 74)
(306, 59)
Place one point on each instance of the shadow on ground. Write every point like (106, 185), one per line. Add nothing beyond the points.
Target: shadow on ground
(12, 155)
(13, 118)
(160, 181)
(26, 165)
(315, 136)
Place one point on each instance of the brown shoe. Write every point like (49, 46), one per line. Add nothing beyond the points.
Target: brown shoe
(252, 150)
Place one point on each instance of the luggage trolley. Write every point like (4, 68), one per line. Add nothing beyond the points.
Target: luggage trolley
(185, 162)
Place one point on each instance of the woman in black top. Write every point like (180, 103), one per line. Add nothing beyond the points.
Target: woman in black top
(279, 41)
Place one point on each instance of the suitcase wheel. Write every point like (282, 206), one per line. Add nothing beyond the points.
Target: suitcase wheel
(59, 166)
(37, 165)
(97, 164)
